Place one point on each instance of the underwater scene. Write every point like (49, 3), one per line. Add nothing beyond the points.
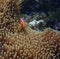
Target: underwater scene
(29, 29)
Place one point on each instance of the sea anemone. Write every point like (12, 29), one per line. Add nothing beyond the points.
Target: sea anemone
(26, 44)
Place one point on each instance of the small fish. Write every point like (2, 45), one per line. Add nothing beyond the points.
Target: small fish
(22, 23)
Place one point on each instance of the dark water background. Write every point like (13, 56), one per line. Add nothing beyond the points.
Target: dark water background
(50, 8)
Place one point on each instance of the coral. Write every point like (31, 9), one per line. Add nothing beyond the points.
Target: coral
(26, 44)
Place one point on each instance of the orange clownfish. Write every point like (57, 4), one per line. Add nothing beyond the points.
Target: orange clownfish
(22, 23)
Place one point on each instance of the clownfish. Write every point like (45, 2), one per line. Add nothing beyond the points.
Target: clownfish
(22, 23)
